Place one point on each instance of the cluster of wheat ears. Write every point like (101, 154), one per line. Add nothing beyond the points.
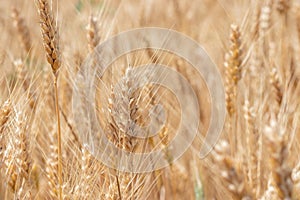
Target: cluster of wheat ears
(256, 46)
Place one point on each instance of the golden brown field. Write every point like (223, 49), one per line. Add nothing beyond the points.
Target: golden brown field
(46, 149)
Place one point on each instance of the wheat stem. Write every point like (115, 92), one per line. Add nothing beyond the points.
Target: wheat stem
(58, 138)
(51, 45)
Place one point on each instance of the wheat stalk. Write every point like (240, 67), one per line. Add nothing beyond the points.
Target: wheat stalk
(50, 39)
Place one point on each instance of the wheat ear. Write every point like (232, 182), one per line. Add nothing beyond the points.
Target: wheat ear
(233, 68)
(50, 40)
(22, 30)
(230, 173)
(276, 86)
(4, 114)
(281, 180)
(92, 33)
(23, 160)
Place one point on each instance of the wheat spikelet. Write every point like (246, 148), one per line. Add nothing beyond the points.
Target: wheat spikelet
(296, 180)
(229, 174)
(164, 140)
(22, 29)
(11, 171)
(23, 161)
(92, 33)
(271, 192)
(17, 159)
(280, 172)
(265, 19)
(282, 6)
(276, 86)
(21, 73)
(78, 60)
(4, 115)
(233, 68)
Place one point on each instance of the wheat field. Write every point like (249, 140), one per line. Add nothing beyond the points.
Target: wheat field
(45, 151)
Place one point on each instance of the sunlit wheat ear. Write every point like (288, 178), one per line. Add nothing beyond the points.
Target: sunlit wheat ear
(5, 112)
(265, 19)
(280, 171)
(92, 33)
(233, 69)
(22, 29)
(50, 35)
(23, 157)
(230, 175)
(17, 158)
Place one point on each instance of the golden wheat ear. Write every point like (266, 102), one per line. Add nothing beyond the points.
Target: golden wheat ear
(232, 65)
(50, 35)
(22, 30)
